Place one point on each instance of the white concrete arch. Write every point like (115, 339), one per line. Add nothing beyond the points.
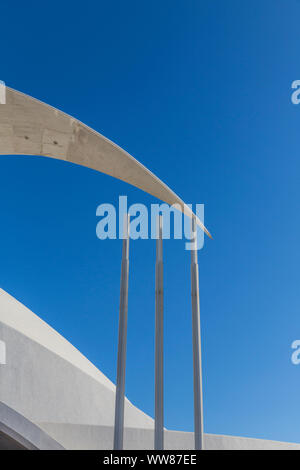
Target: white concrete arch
(31, 127)
(18, 433)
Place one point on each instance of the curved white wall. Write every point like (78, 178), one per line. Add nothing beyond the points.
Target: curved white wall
(46, 379)
(52, 396)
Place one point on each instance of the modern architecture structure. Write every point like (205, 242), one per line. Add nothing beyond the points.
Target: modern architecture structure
(52, 397)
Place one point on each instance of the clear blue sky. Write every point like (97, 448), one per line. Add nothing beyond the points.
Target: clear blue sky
(198, 91)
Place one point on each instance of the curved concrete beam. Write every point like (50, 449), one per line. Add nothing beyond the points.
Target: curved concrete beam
(31, 127)
(22, 433)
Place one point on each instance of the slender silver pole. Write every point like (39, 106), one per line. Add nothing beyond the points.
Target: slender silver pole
(121, 365)
(198, 400)
(159, 342)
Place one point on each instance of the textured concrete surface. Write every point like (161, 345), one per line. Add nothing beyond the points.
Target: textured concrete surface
(101, 437)
(31, 127)
(17, 432)
(52, 396)
(47, 379)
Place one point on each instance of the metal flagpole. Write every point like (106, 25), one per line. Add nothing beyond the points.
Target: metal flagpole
(198, 399)
(159, 332)
(121, 365)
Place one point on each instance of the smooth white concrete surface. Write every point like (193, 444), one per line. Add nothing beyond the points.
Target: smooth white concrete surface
(101, 437)
(17, 432)
(20, 318)
(47, 379)
(31, 127)
(52, 397)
